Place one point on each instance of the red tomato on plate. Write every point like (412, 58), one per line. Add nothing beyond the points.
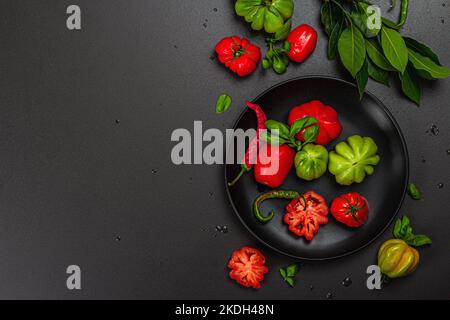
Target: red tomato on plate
(329, 126)
(305, 214)
(352, 209)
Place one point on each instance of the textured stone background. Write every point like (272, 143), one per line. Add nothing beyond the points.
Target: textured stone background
(79, 187)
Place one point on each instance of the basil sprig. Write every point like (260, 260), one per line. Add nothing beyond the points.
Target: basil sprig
(279, 133)
(288, 274)
(223, 103)
(414, 192)
(371, 50)
(276, 57)
(404, 231)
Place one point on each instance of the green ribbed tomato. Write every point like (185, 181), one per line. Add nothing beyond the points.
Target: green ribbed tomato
(267, 14)
(311, 162)
(353, 159)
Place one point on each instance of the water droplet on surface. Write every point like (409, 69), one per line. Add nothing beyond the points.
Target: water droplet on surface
(210, 194)
(448, 152)
(347, 282)
(442, 21)
(117, 121)
(433, 130)
(440, 185)
(154, 171)
(205, 25)
(118, 238)
(311, 287)
(221, 229)
(329, 295)
(423, 160)
(215, 9)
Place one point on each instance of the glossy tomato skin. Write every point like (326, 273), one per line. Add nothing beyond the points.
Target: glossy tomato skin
(248, 267)
(304, 215)
(329, 126)
(303, 40)
(239, 55)
(265, 172)
(351, 209)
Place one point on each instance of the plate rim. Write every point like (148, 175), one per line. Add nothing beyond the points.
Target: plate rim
(405, 150)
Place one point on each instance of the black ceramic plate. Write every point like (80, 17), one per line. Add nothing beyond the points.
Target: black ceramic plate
(385, 189)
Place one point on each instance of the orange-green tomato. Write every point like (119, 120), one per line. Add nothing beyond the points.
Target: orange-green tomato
(397, 259)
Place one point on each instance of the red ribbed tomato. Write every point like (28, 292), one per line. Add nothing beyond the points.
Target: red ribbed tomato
(305, 214)
(329, 126)
(351, 209)
(248, 267)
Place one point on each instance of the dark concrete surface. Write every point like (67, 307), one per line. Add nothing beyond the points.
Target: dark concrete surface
(79, 187)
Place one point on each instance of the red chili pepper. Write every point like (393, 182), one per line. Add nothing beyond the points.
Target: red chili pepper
(303, 40)
(329, 126)
(252, 150)
(351, 209)
(239, 55)
(264, 171)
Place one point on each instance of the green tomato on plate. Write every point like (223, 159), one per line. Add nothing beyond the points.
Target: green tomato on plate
(353, 160)
(267, 14)
(311, 162)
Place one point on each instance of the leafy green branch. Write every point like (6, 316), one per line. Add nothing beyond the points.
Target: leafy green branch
(370, 46)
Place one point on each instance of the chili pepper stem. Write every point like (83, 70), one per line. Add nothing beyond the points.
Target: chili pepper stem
(235, 180)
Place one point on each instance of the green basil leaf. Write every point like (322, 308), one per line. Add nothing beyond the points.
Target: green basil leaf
(310, 134)
(334, 38)
(422, 49)
(283, 273)
(279, 64)
(410, 85)
(377, 74)
(272, 138)
(414, 192)
(330, 14)
(290, 281)
(427, 65)
(284, 31)
(292, 270)
(361, 79)
(223, 103)
(394, 48)
(398, 228)
(352, 49)
(405, 225)
(376, 54)
(286, 46)
(300, 124)
(420, 240)
(282, 128)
